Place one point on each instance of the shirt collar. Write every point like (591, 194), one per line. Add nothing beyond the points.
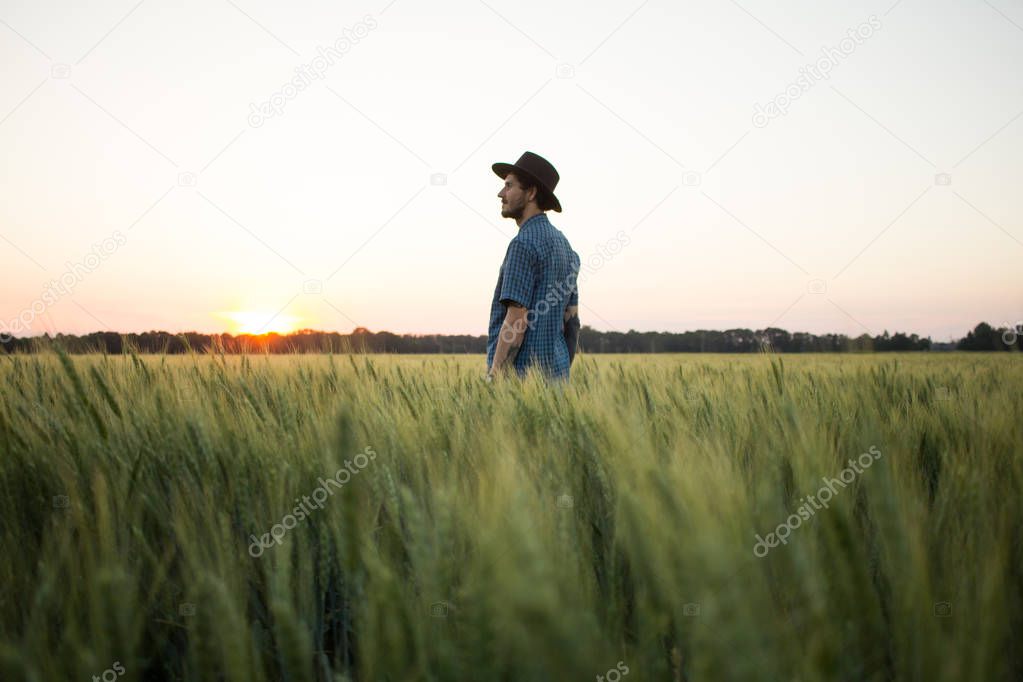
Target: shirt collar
(538, 219)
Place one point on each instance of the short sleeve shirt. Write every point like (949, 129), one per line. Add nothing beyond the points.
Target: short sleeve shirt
(539, 272)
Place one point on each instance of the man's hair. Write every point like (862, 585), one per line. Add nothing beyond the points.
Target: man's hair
(528, 182)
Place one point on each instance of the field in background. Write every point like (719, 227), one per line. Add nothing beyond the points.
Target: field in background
(510, 532)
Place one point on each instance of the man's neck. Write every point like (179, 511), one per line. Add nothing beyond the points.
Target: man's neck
(527, 214)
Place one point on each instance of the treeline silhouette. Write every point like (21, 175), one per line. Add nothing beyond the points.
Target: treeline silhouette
(983, 337)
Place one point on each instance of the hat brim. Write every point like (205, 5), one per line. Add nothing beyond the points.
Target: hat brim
(502, 170)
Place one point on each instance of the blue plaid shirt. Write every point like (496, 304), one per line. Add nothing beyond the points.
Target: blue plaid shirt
(539, 272)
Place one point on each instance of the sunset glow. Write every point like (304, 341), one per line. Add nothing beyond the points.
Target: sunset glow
(260, 322)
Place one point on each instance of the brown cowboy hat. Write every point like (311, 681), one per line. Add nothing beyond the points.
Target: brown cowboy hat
(537, 168)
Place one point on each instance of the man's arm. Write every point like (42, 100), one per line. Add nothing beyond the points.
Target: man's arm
(513, 330)
(571, 330)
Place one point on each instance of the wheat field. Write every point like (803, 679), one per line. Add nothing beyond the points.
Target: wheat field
(361, 517)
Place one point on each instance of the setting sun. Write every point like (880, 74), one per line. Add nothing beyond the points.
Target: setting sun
(260, 322)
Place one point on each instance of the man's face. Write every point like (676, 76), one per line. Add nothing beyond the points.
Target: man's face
(513, 198)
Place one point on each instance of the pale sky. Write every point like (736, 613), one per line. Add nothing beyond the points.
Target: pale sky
(887, 197)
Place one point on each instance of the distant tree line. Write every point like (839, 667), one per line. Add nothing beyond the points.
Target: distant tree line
(983, 337)
(986, 337)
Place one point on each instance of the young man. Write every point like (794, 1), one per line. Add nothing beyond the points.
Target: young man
(534, 316)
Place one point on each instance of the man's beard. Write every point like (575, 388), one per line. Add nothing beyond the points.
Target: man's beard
(513, 213)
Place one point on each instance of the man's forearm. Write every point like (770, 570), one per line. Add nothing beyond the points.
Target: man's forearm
(509, 341)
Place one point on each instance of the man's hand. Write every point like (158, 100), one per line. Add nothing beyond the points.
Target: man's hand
(571, 331)
(509, 341)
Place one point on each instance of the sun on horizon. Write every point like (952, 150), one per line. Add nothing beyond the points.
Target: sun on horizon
(260, 322)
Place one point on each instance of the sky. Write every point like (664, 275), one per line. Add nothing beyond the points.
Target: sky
(249, 166)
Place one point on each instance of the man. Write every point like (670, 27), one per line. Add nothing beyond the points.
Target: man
(534, 316)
